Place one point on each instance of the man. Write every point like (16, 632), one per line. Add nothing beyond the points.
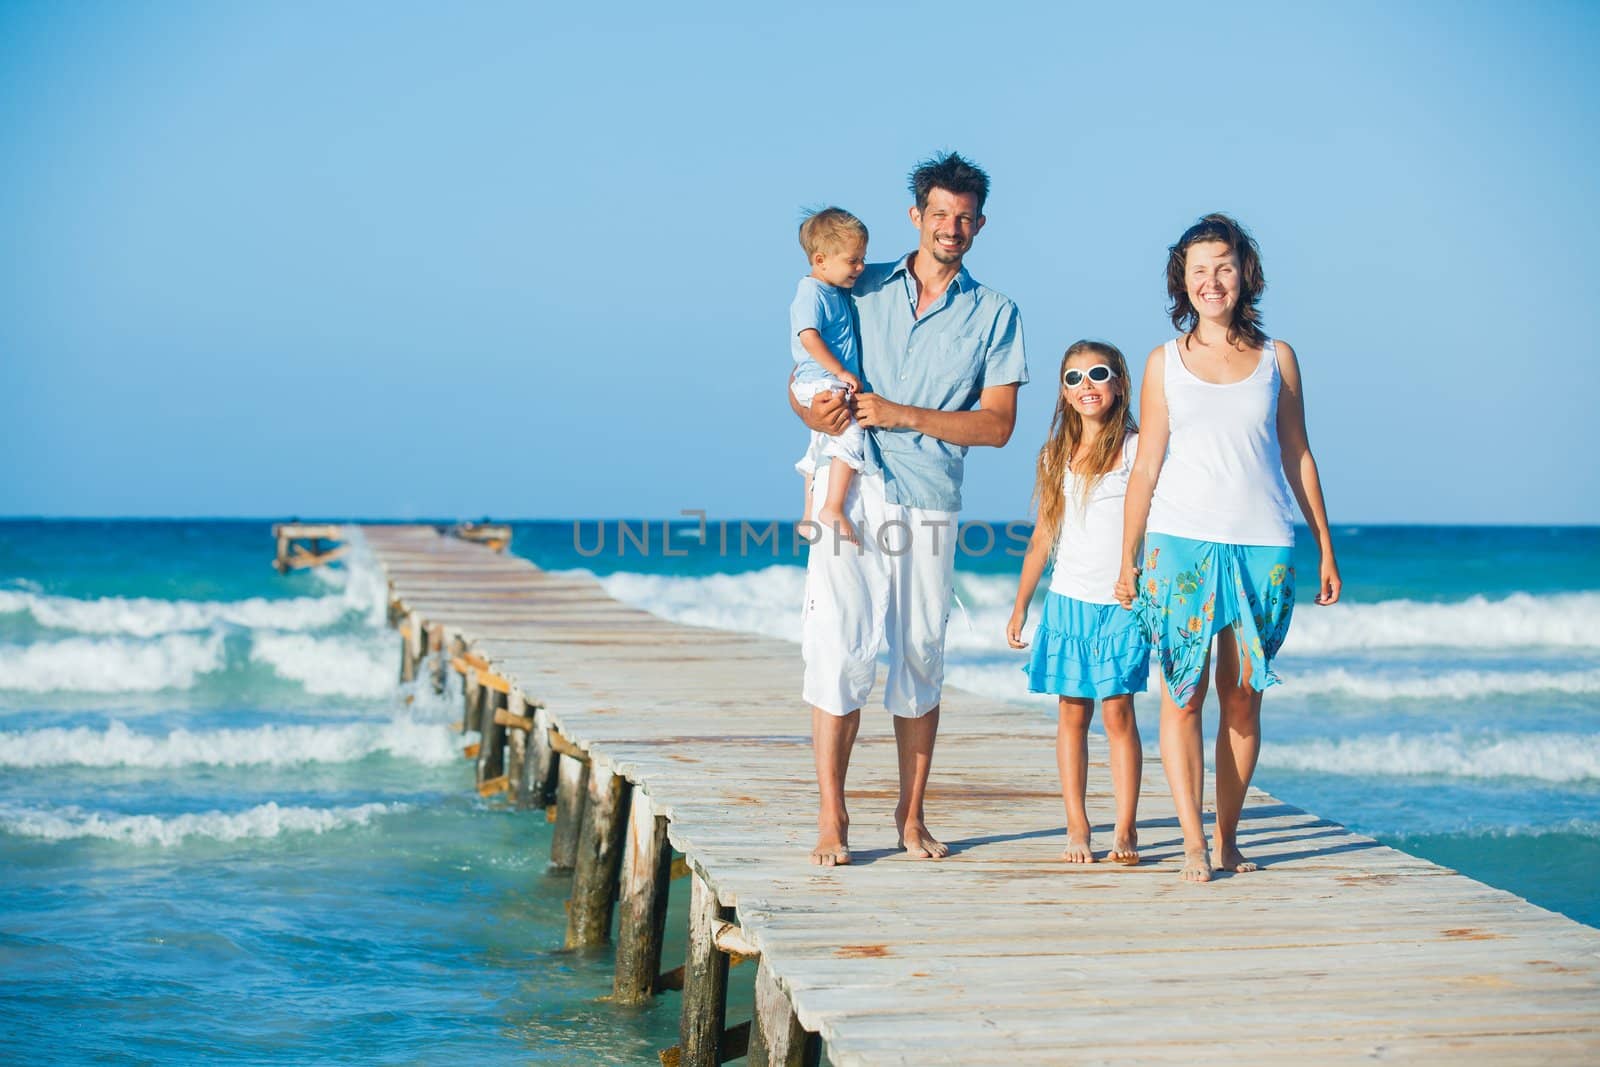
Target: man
(942, 359)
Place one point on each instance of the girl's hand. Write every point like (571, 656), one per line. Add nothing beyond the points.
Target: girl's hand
(1328, 583)
(1127, 586)
(1019, 619)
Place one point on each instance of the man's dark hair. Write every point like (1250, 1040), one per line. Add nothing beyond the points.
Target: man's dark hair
(951, 173)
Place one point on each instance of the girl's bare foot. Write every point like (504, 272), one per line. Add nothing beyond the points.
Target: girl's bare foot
(915, 839)
(1078, 849)
(831, 518)
(1196, 865)
(1125, 848)
(1231, 859)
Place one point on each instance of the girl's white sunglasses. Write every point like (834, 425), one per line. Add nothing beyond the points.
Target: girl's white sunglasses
(1097, 374)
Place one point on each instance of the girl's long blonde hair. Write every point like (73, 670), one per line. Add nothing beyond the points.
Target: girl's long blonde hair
(1066, 434)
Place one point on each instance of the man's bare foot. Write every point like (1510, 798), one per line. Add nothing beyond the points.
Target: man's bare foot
(1125, 848)
(831, 518)
(1196, 865)
(833, 842)
(1231, 859)
(1078, 849)
(915, 839)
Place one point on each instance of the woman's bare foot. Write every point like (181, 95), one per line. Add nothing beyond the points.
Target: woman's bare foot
(1125, 848)
(1196, 865)
(833, 847)
(1078, 849)
(915, 839)
(1231, 859)
(831, 518)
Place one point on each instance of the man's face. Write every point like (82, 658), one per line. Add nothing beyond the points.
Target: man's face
(948, 224)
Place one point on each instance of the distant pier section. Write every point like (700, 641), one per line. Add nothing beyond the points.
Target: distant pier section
(638, 736)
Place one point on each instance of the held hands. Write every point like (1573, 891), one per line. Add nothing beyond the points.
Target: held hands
(1127, 586)
(828, 413)
(1019, 619)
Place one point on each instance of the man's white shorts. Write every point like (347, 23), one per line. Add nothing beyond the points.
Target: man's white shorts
(892, 593)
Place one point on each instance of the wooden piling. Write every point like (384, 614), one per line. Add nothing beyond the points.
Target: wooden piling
(705, 981)
(571, 786)
(492, 747)
(600, 842)
(438, 663)
(537, 780)
(642, 903)
(470, 695)
(408, 647)
(776, 1036)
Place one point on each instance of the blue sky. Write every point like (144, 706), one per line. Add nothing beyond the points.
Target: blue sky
(528, 261)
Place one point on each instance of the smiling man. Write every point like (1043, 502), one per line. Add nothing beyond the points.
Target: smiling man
(941, 360)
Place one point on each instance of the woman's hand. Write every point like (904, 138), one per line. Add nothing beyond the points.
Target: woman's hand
(1019, 619)
(1127, 586)
(1328, 583)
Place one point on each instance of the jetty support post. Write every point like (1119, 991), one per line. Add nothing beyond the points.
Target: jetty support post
(776, 1037)
(536, 781)
(705, 980)
(469, 701)
(410, 646)
(642, 903)
(439, 659)
(493, 694)
(572, 783)
(600, 843)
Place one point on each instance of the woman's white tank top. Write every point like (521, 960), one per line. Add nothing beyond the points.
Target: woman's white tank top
(1223, 476)
(1089, 547)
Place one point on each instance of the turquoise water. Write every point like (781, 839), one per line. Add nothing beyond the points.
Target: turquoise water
(228, 834)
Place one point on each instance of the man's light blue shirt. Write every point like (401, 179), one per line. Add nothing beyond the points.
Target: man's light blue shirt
(970, 339)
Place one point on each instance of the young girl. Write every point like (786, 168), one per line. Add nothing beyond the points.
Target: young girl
(1224, 446)
(1086, 647)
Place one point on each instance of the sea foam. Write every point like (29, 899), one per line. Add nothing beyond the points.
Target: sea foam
(329, 665)
(116, 745)
(768, 601)
(261, 822)
(1546, 757)
(110, 665)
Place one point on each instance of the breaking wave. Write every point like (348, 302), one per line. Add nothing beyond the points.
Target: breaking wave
(264, 821)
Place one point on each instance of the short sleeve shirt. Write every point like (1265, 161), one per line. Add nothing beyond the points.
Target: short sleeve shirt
(826, 309)
(969, 340)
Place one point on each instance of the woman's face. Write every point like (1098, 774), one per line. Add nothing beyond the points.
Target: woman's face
(1211, 276)
(1090, 399)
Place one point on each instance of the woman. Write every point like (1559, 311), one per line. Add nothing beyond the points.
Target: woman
(1208, 527)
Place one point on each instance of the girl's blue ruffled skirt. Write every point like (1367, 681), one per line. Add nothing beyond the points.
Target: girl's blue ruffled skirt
(1087, 650)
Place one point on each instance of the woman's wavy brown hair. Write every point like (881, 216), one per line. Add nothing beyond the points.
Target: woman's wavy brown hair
(1246, 324)
(1066, 434)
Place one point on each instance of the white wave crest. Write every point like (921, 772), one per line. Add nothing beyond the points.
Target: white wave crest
(1557, 620)
(429, 743)
(1546, 757)
(768, 602)
(110, 665)
(361, 592)
(1445, 685)
(260, 822)
(329, 666)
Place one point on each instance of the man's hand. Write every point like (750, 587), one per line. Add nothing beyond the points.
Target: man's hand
(874, 410)
(827, 414)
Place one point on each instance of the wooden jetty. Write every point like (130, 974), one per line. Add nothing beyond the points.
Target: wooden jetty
(642, 732)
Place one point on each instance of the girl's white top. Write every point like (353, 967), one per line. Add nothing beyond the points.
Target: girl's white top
(1089, 547)
(1223, 476)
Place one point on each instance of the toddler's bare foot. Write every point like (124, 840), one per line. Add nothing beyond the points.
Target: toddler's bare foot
(1196, 865)
(1078, 849)
(831, 518)
(1125, 848)
(1231, 859)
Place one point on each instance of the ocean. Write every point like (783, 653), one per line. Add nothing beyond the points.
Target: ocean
(228, 833)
